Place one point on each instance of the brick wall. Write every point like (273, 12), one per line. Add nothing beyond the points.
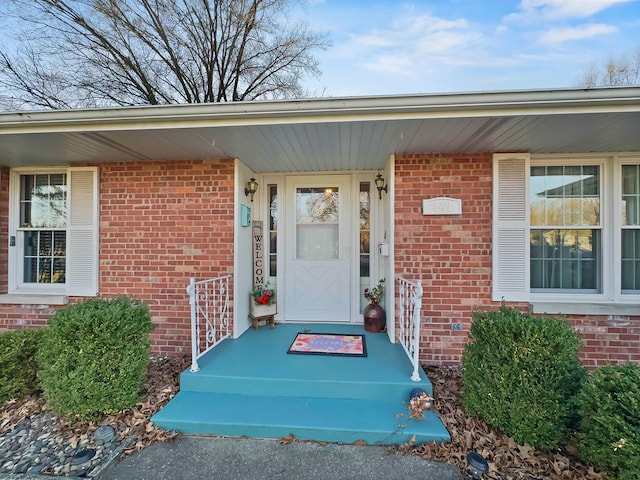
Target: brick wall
(163, 222)
(608, 341)
(451, 254)
(160, 224)
(452, 257)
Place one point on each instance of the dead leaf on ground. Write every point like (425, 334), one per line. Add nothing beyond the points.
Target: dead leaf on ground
(288, 439)
(506, 458)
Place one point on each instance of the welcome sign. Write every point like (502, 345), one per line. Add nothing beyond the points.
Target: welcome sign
(258, 254)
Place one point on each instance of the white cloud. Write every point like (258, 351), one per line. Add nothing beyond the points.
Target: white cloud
(559, 35)
(536, 10)
(411, 48)
(372, 40)
(414, 42)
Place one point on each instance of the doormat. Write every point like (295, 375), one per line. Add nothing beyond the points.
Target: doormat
(328, 344)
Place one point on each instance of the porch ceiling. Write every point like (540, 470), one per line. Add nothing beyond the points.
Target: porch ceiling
(330, 134)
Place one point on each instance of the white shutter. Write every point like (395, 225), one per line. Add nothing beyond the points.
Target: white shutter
(510, 227)
(82, 230)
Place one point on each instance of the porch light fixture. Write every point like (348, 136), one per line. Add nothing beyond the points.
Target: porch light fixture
(251, 188)
(379, 181)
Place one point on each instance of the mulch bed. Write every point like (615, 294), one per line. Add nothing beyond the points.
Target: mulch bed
(161, 384)
(507, 459)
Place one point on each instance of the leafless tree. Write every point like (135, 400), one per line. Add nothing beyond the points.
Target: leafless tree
(614, 72)
(93, 53)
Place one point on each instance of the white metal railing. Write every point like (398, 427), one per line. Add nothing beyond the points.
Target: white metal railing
(210, 323)
(410, 302)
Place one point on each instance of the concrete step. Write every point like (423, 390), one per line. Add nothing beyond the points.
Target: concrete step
(339, 420)
(311, 383)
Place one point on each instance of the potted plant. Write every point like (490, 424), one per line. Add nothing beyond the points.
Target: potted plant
(262, 301)
(375, 318)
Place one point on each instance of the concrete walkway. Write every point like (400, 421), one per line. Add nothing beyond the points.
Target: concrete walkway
(198, 457)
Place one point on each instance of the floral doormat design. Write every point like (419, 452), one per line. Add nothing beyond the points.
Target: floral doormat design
(328, 344)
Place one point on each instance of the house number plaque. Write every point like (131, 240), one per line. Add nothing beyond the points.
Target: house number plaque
(442, 206)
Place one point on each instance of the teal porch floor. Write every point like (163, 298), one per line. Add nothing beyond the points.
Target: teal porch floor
(251, 387)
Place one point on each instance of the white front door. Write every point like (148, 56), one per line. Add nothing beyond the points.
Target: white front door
(318, 249)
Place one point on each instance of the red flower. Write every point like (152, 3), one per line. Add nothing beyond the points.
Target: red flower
(264, 299)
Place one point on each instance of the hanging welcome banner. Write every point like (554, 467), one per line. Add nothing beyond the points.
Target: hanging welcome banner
(258, 254)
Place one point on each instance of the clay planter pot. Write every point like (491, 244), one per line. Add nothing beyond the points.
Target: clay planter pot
(375, 318)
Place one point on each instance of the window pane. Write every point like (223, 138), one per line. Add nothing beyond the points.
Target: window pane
(364, 242)
(364, 267)
(273, 242)
(273, 232)
(317, 229)
(273, 207)
(630, 210)
(317, 205)
(44, 258)
(273, 266)
(364, 204)
(59, 270)
(43, 201)
(44, 270)
(630, 179)
(317, 241)
(630, 236)
(565, 196)
(565, 252)
(630, 194)
(630, 260)
(565, 259)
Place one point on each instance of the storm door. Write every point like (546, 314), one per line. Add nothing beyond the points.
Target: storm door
(317, 254)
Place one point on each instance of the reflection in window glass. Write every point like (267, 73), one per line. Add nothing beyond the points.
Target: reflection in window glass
(630, 238)
(317, 223)
(565, 196)
(567, 257)
(364, 201)
(43, 201)
(317, 205)
(365, 229)
(44, 256)
(273, 233)
(43, 221)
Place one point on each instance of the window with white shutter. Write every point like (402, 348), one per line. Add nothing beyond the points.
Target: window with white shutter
(54, 231)
(510, 227)
(566, 232)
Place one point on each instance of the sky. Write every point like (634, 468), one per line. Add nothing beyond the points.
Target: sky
(390, 47)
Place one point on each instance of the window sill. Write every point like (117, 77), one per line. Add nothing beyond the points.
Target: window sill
(571, 308)
(33, 299)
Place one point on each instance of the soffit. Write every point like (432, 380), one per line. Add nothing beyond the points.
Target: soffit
(340, 140)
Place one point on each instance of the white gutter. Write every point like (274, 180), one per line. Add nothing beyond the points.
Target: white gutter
(458, 105)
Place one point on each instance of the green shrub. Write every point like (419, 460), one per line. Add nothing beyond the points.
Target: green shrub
(94, 356)
(609, 433)
(18, 364)
(521, 374)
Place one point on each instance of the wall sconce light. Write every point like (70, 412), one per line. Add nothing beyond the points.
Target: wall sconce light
(251, 187)
(379, 181)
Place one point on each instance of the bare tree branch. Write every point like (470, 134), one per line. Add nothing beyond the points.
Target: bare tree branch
(614, 72)
(88, 53)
